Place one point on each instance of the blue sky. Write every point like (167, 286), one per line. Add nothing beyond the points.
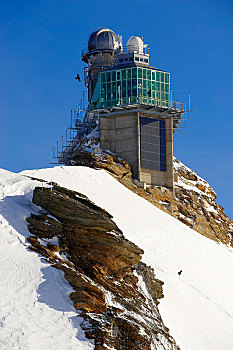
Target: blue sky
(41, 43)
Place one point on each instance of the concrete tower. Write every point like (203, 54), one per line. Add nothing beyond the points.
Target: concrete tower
(103, 46)
(132, 98)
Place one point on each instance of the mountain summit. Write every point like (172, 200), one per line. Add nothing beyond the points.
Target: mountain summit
(91, 259)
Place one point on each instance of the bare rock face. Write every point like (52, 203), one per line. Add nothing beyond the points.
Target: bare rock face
(104, 269)
(106, 160)
(85, 155)
(197, 207)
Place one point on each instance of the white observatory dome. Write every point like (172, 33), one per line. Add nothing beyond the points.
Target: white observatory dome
(135, 44)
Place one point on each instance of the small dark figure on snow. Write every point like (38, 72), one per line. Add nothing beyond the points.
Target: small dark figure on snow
(179, 273)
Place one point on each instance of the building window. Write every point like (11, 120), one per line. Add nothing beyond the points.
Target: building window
(143, 85)
(145, 60)
(126, 59)
(136, 58)
(120, 59)
(153, 144)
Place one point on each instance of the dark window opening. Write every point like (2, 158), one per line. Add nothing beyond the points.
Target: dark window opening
(153, 144)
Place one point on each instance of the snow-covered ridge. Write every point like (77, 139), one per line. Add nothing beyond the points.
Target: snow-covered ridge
(36, 312)
(197, 307)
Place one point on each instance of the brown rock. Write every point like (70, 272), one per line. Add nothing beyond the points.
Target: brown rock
(100, 260)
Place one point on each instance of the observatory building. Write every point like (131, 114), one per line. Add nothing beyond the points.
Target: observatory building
(132, 99)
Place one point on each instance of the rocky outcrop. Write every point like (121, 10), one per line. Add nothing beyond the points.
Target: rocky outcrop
(87, 154)
(197, 207)
(104, 269)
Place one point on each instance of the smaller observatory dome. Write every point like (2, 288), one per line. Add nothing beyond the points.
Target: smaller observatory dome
(135, 44)
(103, 39)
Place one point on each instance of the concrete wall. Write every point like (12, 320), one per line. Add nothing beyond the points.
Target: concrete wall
(121, 135)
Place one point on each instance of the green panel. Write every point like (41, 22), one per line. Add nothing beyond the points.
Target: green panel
(113, 76)
(134, 83)
(166, 78)
(118, 75)
(162, 77)
(153, 85)
(158, 76)
(134, 92)
(102, 77)
(166, 87)
(144, 73)
(162, 87)
(153, 75)
(129, 73)
(113, 94)
(108, 76)
(148, 74)
(123, 73)
(139, 72)
(134, 72)
(158, 86)
(134, 99)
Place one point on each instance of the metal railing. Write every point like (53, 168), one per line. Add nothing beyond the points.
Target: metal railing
(122, 49)
(78, 129)
(137, 100)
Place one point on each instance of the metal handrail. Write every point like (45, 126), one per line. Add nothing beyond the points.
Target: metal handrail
(122, 49)
(139, 100)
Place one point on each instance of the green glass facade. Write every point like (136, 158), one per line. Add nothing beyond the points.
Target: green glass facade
(130, 86)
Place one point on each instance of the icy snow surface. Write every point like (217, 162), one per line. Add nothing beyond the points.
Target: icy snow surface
(35, 309)
(198, 304)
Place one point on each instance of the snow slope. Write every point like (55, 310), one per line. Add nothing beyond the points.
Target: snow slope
(35, 310)
(198, 305)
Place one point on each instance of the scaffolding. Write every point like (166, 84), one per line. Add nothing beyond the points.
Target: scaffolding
(82, 122)
(184, 117)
